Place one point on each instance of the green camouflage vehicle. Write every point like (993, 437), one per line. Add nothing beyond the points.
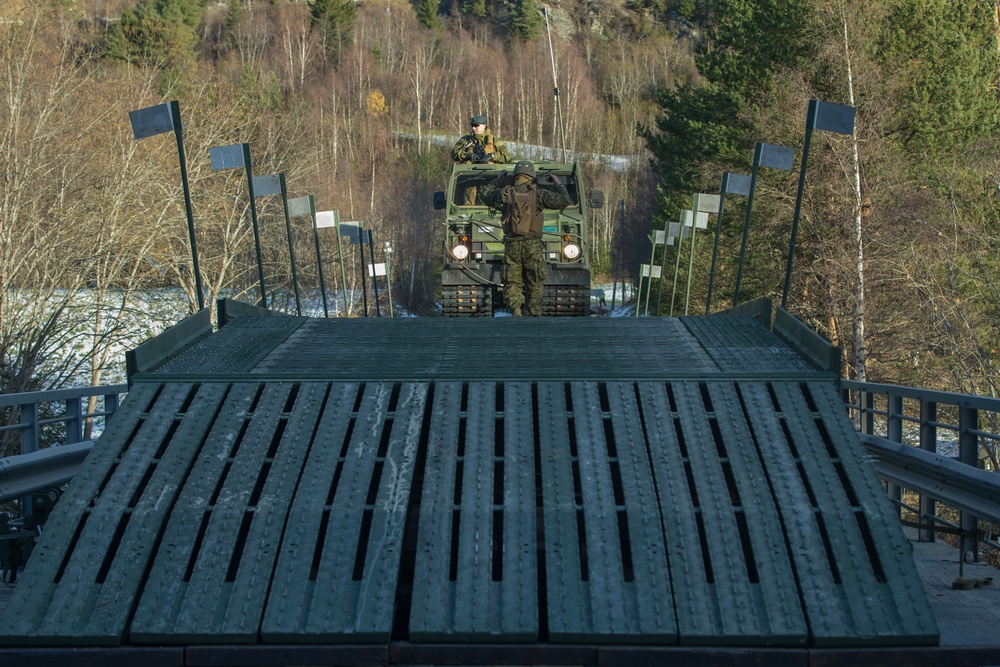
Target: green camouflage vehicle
(471, 284)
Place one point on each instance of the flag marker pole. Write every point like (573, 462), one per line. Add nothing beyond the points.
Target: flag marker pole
(175, 115)
(343, 271)
(677, 260)
(247, 165)
(371, 251)
(649, 279)
(230, 157)
(715, 248)
(159, 119)
(291, 249)
(319, 254)
(764, 155)
(820, 116)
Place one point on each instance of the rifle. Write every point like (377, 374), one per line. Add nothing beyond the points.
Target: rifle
(477, 154)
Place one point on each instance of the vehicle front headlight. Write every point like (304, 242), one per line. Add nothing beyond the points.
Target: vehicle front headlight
(460, 252)
(571, 251)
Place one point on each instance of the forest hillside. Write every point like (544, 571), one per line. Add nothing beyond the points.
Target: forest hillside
(356, 101)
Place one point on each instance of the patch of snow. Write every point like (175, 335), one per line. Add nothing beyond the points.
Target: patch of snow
(535, 152)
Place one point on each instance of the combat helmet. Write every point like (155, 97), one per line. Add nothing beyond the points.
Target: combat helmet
(524, 167)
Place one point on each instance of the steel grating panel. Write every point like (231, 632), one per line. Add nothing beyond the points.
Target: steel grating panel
(888, 551)
(731, 584)
(518, 349)
(655, 511)
(354, 555)
(475, 574)
(212, 571)
(235, 348)
(743, 344)
(308, 534)
(87, 571)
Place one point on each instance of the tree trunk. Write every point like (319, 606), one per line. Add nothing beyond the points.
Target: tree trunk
(859, 249)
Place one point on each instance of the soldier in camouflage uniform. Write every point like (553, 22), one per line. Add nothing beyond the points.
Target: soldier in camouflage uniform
(521, 204)
(479, 146)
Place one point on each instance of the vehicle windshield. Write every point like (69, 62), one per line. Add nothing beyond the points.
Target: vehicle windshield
(467, 187)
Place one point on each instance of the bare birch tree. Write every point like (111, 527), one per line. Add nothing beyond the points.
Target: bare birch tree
(859, 245)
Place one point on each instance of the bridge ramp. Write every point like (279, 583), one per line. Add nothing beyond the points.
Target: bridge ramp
(292, 481)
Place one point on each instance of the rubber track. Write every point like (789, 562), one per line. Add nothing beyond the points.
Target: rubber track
(467, 301)
(566, 301)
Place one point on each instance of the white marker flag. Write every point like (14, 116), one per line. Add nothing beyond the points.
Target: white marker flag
(773, 156)
(673, 231)
(657, 271)
(707, 203)
(325, 219)
(299, 206)
(736, 184)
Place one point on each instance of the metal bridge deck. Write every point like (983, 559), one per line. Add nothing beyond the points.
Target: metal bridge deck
(660, 482)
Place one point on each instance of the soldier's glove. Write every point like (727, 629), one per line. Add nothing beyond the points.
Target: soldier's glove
(480, 157)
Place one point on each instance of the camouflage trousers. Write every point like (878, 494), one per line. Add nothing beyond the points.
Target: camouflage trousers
(524, 273)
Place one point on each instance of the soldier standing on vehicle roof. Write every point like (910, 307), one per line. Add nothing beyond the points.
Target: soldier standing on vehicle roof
(521, 205)
(480, 147)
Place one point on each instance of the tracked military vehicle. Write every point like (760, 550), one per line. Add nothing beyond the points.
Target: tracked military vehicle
(471, 283)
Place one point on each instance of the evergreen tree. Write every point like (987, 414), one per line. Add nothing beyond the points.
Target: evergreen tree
(750, 42)
(234, 14)
(475, 8)
(697, 123)
(334, 19)
(945, 54)
(525, 20)
(157, 32)
(427, 13)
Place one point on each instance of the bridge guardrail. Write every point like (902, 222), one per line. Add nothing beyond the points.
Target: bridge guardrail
(49, 468)
(927, 420)
(63, 416)
(21, 413)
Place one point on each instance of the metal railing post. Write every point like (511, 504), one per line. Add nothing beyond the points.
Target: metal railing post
(866, 400)
(110, 405)
(928, 442)
(29, 443)
(968, 453)
(74, 420)
(894, 432)
(29, 432)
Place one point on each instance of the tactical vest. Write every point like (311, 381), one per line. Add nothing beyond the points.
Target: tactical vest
(521, 215)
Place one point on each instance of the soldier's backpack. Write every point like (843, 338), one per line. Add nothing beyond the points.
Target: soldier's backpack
(521, 214)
